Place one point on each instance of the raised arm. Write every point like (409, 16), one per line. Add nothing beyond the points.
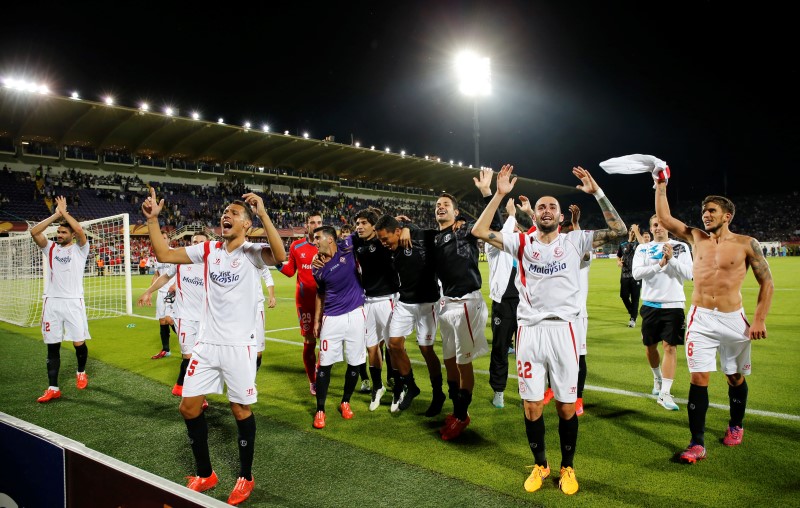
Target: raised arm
(276, 253)
(616, 227)
(635, 233)
(61, 206)
(151, 208)
(481, 229)
(575, 217)
(763, 275)
(670, 223)
(37, 231)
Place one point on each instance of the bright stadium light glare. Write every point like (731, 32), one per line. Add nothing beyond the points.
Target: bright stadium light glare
(403, 153)
(76, 96)
(305, 135)
(372, 147)
(426, 157)
(169, 111)
(220, 120)
(358, 144)
(387, 149)
(44, 90)
(144, 106)
(109, 100)
(247, 125)
(474, 74)
(451, 161)
(195, 115)
(265, 128)
(285, 133)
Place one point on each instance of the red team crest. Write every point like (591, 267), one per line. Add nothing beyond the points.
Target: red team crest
(558, 253)
(235, 263)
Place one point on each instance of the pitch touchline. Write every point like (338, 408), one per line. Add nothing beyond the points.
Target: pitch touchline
(615, 391)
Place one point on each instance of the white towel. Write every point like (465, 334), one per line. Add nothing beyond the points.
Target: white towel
(637, 163)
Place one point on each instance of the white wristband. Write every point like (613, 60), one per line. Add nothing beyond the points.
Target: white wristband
(599, 194)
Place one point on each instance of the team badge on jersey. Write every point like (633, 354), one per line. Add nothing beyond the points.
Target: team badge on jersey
(372, 248)
(407, 252)
(447, 238)
(235, 263)
(558, 253)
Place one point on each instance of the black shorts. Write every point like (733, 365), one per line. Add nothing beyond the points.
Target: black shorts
(668, 325)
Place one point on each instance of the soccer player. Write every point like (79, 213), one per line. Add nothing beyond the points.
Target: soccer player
(164, 304)
(662, 266)
(380, 283)
(505, 299)
(190, 298)
(629, 288)
(300, 254)
(63, 310)
(582, 321)
(550, 302)
(226, 341)
(340, 321)
(415, 310)
(717, 321)
(463, 312)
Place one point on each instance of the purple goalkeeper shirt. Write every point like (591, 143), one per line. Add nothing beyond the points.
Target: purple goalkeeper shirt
(338, 281)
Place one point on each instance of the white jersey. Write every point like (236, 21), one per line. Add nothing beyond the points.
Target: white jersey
(584, 284)
(662, 287)
(165, 268)
(191, 291)
(66, 265)
(549, 274)
(500, 264)
(232, 284)
(267, 278)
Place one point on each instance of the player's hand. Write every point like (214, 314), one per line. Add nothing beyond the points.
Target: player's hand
(402, 218)
(484, 181)
(256, 202)
(150, 206)
(758, 330)
(575, 216)
(271, 302)
(619, 262)
(667, 251)
(317, 327)
(61, 205)
(405, 238)
(145, 300)
(525, 205)
(504, 181)
(634, 232)
(588, 185)
(317, 261)
(511, 208)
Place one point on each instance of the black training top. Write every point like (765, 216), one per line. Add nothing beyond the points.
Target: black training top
(417, 269)
(375, 262)
(626, 251)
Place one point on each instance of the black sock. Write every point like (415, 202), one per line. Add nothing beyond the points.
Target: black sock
(246, 441)
(568, 434)
(165, 337)
(350, 380)
(697, 409)
(461, 404)
(323, 382)
(408, 380)
(182, 371)
(375, 374)
(387, 360)
(581, 375)
(258, 362)
(362, 371)
(534, 430)
(452, 389)
(197, 428)
(436, 385)
(82, 354)
(738, 401)
(53, 363)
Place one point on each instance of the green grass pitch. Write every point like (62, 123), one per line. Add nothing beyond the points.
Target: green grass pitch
(626, 445)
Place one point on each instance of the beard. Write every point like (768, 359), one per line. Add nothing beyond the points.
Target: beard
(546, 229)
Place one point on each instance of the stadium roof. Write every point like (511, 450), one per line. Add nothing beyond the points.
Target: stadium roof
(30, 116)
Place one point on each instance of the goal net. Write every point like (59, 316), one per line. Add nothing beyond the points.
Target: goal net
(106, 281)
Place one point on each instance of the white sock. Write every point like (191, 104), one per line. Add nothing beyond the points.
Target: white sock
(666, 385)
(54, 388)
(656, 373)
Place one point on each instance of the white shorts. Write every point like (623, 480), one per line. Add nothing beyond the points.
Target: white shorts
(708, 331)
(581, 327)
(462, 325)
(547, 347)
(187, 334)
(379, 317)
(213, 365)
(164, 309)
(64, 319)
(343, 335)
(421, 317)
(261, 320)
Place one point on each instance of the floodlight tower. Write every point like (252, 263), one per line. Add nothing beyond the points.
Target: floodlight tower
(475, 80)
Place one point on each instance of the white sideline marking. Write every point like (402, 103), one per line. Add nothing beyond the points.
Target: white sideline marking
(615, 391)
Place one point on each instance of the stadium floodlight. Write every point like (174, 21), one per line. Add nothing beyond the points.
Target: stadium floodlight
(305, 135)
(372, 147)
(357, 144)
(460, 163)
(265, 128)
(247, 126)
(195, 115)
(285, 133)
(109, 100)
(475, 80)
(220, 121)
(76, 96)
(169, 111)
(451, 161)
(144, 106)
(403, 153)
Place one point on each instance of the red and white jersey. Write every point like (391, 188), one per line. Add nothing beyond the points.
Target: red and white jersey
(163, 268)
(66, 265)
(300, 254)
(233, 284)
(191, 291)
(549, 274)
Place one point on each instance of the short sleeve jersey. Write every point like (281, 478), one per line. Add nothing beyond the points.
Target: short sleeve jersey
(167, 268)
(416, 269)
(191, 290)
(338, 281)
(232, 283)
(549, 274)
(66, 265)
(457, 261)
(267, 278)
(301, 252)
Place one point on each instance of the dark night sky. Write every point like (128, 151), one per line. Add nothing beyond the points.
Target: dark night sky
(706, 87)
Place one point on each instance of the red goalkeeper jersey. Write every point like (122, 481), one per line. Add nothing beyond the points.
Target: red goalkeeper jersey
(301, 252)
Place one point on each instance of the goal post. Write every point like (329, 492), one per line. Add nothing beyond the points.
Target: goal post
(106, 278)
